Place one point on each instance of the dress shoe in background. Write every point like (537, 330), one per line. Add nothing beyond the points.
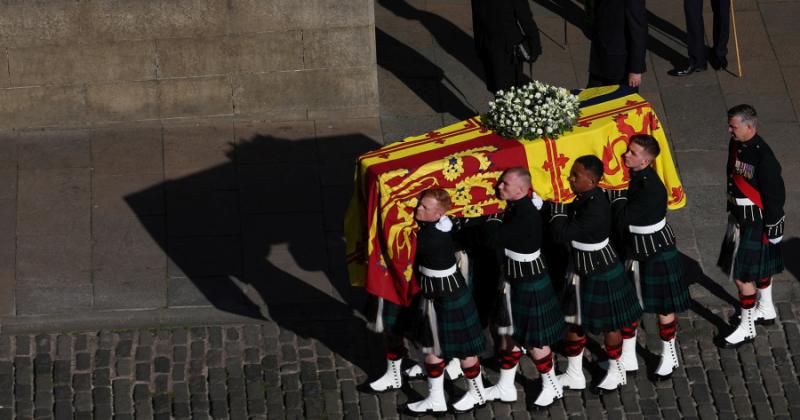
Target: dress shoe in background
(686, 71)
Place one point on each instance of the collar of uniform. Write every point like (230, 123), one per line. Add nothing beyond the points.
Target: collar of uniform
(588, 195)
(640, 173)
(755, 142)
(525, 200)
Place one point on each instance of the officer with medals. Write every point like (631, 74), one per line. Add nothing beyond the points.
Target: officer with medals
(605, 299)
(449, 322)
(751, 253)
(651, 254)
(529, 315)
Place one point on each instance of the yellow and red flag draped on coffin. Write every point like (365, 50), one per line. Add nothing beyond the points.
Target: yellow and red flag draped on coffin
(467, 159)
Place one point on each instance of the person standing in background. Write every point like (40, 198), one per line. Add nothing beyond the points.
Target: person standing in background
(619, 42)
(695, 36)
(499, 27)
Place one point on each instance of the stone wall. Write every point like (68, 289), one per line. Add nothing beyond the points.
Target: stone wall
(154, 155)
(98, 61)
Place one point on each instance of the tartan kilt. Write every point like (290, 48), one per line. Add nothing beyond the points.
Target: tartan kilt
(754, 259)
(663, 290)
(608, 300)
(536, 310)
(460, 332)
(397, 319)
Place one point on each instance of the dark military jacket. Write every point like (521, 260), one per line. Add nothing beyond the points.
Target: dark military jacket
(755, 173)
(645, 204)
(588, 220)
(520, 230)
(435, 248)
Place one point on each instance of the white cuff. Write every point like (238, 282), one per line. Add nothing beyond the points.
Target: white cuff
(776, 241)
(537, 201)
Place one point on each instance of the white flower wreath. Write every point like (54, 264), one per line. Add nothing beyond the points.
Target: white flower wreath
(532, 111)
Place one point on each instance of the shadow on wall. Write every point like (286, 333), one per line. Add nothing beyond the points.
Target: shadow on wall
(262, 236)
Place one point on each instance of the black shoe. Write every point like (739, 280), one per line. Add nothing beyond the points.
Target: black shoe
(723, 62)
(718, 63)
(686, 71)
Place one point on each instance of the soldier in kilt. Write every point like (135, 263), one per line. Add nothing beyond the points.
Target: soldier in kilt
(751, 252)
(605, 301)
(448, 320)
(529, 315)
(649, 244)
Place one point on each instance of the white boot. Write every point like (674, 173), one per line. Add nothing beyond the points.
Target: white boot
(434, 403)
(745, 332)
(573, 378)
(504, 390)
(765, 310)
(551, 389)
(453, 369)
(415, 372)
(475, 396)
(628, 358)
(391, 379)
(615, 376)
(669, 359)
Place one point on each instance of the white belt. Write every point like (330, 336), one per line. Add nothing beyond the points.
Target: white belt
(590, 247)
(744, 202)
(438, 273)
(644, 230)
(516, 256)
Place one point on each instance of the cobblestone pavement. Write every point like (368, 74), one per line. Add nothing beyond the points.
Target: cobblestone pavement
(263, 371)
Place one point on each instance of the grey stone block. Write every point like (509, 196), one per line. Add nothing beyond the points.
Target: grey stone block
(130, 289)
(56, 261)
(269, 51)
(53, 149)
(182, 57)
(128, 149)
(42, 106)
(205, 291)
(76, 64)
(199, 96)
(30, 23)
(189, 18)
(53, 300)
(268, 92)
(42, 191)
(123, 243)
(339, 47)
(122, 101)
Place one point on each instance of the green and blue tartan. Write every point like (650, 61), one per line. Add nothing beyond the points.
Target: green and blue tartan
(608, 300)
(460, 332)
(398, 319)
(755, 259)
(536, 311)
(663, 290)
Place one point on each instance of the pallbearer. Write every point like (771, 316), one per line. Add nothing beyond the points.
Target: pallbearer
(530, 315)
(450, 323)
(652, 258)
(751, 252)
(605, 299)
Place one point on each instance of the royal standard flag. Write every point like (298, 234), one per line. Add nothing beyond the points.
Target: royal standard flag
(467, 159)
